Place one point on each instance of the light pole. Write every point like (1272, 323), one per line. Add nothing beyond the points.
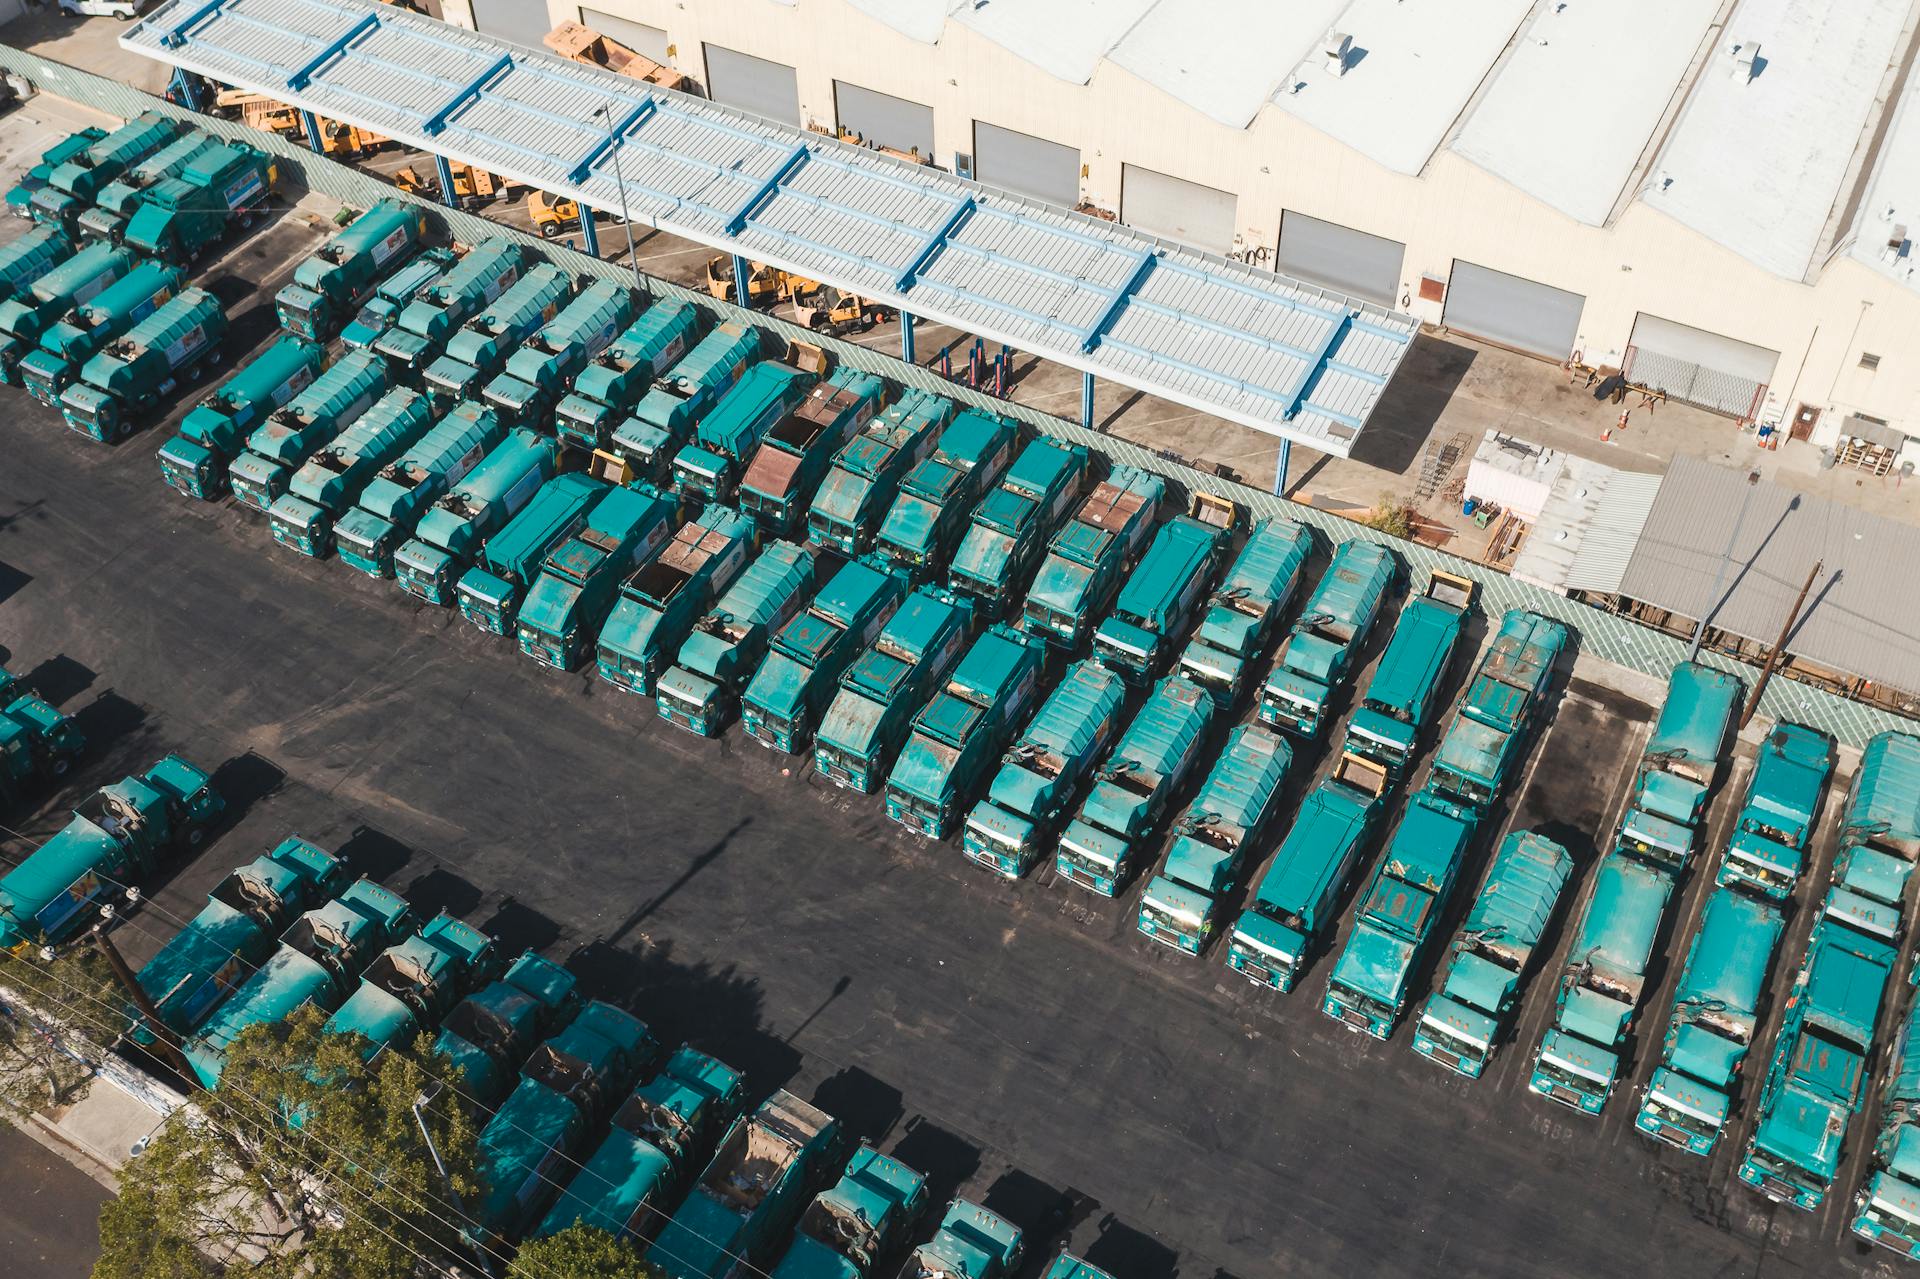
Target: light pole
(619, 143)
(1713, 605)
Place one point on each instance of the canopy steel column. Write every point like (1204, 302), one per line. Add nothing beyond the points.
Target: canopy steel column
(448, 196)
(740, 275)
(1280, 473)
(906, 336)
(189, 92)
(312, 126)
(589, 236)
(1086, 400)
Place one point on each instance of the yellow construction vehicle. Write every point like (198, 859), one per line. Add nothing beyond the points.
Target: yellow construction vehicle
(552, 214)
(584, 44)
(765, 284)
(471, 186)
(258, 111)
(827, 309)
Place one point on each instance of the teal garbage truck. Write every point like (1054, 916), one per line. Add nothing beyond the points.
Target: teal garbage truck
(395, 499)
(37, 742)
(1504, 702)
(784, 470)
(76, 182)
(971, 1243)
(118, 835)
(853, 1225)
(1476, 990)
(566, 1089)
(634, 1176)
(214, 432)
(1133, 789)
(1774, 831)
(222, 188)
(44, 302)
(930, 512)
(1400, 909)
(1879, 834)
(318, 962)
(865, 476)
(126, 377)
(491, 1032)
(1004, 541)
(612, 381)
(434, 309)
(278, 447)
(1156, 603)
(411, 985)
(701, 690)
(326, 486)
(661, 600)
(1716, 1011)
(26, 258)
(329, 287)
(1040, 778)
(64, 348)
(1086, 559)
(478, 350)
(1320, 651)
(652, 435)
(1243, 615)
(490, 592)
(1214, 838)
(708, 469)
(393, 295)
(783, 701)
(1578, 1062)
(20, 196)
(1677, 769)
(959, 734)
(451, 532)
(868, 718)
(1292, 910)
(1886, 1209)
(751, 1192)
(1397, 705)
(540, 369)
(566, 605)
(117, 201)
(220, 947)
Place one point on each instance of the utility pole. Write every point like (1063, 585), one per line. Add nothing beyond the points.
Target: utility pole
(1773, 654)
(419, 1103)
(163, 1037)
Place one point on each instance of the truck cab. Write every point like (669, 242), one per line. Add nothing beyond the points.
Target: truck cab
(660, 601)
(850, 1226)
(869, 716)
(1394, 710)
(971, 1243)
(566, 605)
(1158, 599)
(37, 742)
(1771, 837)
(931, 511)
(1243, 615)
(1002, 544)
(865, 476)
(1327, 638)
(783, 472)
(410, 986)
(490, 1033)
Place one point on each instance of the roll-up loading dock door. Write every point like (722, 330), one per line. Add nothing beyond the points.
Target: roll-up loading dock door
(512, 20)
(1161, 204)
(753, 84)
(1025, 164)
(1512, 310)
(648, 42)
(1339, 257)
(882, 119)
(1698, 367)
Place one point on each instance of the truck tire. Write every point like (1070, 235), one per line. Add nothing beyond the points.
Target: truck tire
(549, 229)
(61, 765)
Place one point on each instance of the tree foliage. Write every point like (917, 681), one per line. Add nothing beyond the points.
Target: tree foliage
(307, 1162)
(580, 1252)
(1392, 515)
(45, 1064)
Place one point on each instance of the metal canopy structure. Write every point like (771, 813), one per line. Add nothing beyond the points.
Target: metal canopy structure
(1283, 357)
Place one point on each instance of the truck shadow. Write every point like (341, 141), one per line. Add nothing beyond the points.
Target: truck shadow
(12, 582)
(374, 853)
(60, 679)
(1046, 1216)
(244, 781)
(1126, 1253)
(441, 890)
(948, 1161)
(113, 726)
(518, 927)
(867, 1108)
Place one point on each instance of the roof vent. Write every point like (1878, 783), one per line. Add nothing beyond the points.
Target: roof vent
(1746, 60)
(1338, 53)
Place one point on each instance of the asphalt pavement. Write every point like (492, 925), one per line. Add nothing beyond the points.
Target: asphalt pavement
(49, 1212)
(1020, 1042)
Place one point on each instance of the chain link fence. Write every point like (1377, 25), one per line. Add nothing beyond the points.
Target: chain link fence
(1614, 639)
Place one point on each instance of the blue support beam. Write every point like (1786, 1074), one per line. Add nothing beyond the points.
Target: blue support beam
(434, 123)
(304, 74)
(312, 126)
(1200, 370)
(795, 158)
(183, 84)
(1311, 374)
(962, 210)
(177, 34)
(580, 171)
(589, 234)
(906, 336)
(1280, 473)
(741, 275)
(1142, 268)
(1086, 400)
(447, 194)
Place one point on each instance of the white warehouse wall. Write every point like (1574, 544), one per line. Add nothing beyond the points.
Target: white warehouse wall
(1645, 261)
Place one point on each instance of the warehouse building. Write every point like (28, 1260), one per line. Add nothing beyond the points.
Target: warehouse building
(1716, 196)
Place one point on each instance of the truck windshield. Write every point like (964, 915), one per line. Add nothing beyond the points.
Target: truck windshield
(1165, 920)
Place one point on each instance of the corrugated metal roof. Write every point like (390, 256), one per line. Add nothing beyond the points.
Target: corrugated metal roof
(1863, 616)
(1587, 528)
(1280, 356)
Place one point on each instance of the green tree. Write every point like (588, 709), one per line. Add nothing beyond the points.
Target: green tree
(42, 1062)
(307, 1162)
(580, 1252)
(1391, 515)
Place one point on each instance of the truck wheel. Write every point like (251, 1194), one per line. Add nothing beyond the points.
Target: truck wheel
(246, 220)
(194, 837)
(214, 358)
(549, 229)
(61, 765)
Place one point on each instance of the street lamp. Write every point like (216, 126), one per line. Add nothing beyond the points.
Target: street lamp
(619, 143)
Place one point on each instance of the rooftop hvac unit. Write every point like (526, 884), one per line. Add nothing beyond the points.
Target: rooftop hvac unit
(1746, 59)
(1338, 53)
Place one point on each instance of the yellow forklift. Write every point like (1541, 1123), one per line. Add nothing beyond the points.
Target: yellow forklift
(765, 285)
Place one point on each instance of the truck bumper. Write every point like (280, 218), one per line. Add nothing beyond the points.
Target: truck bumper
(189, 467)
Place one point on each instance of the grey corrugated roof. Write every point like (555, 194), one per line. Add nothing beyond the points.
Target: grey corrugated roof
(1255, 348)
(1587, 527)
(1864, 617)
(1615, 530)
